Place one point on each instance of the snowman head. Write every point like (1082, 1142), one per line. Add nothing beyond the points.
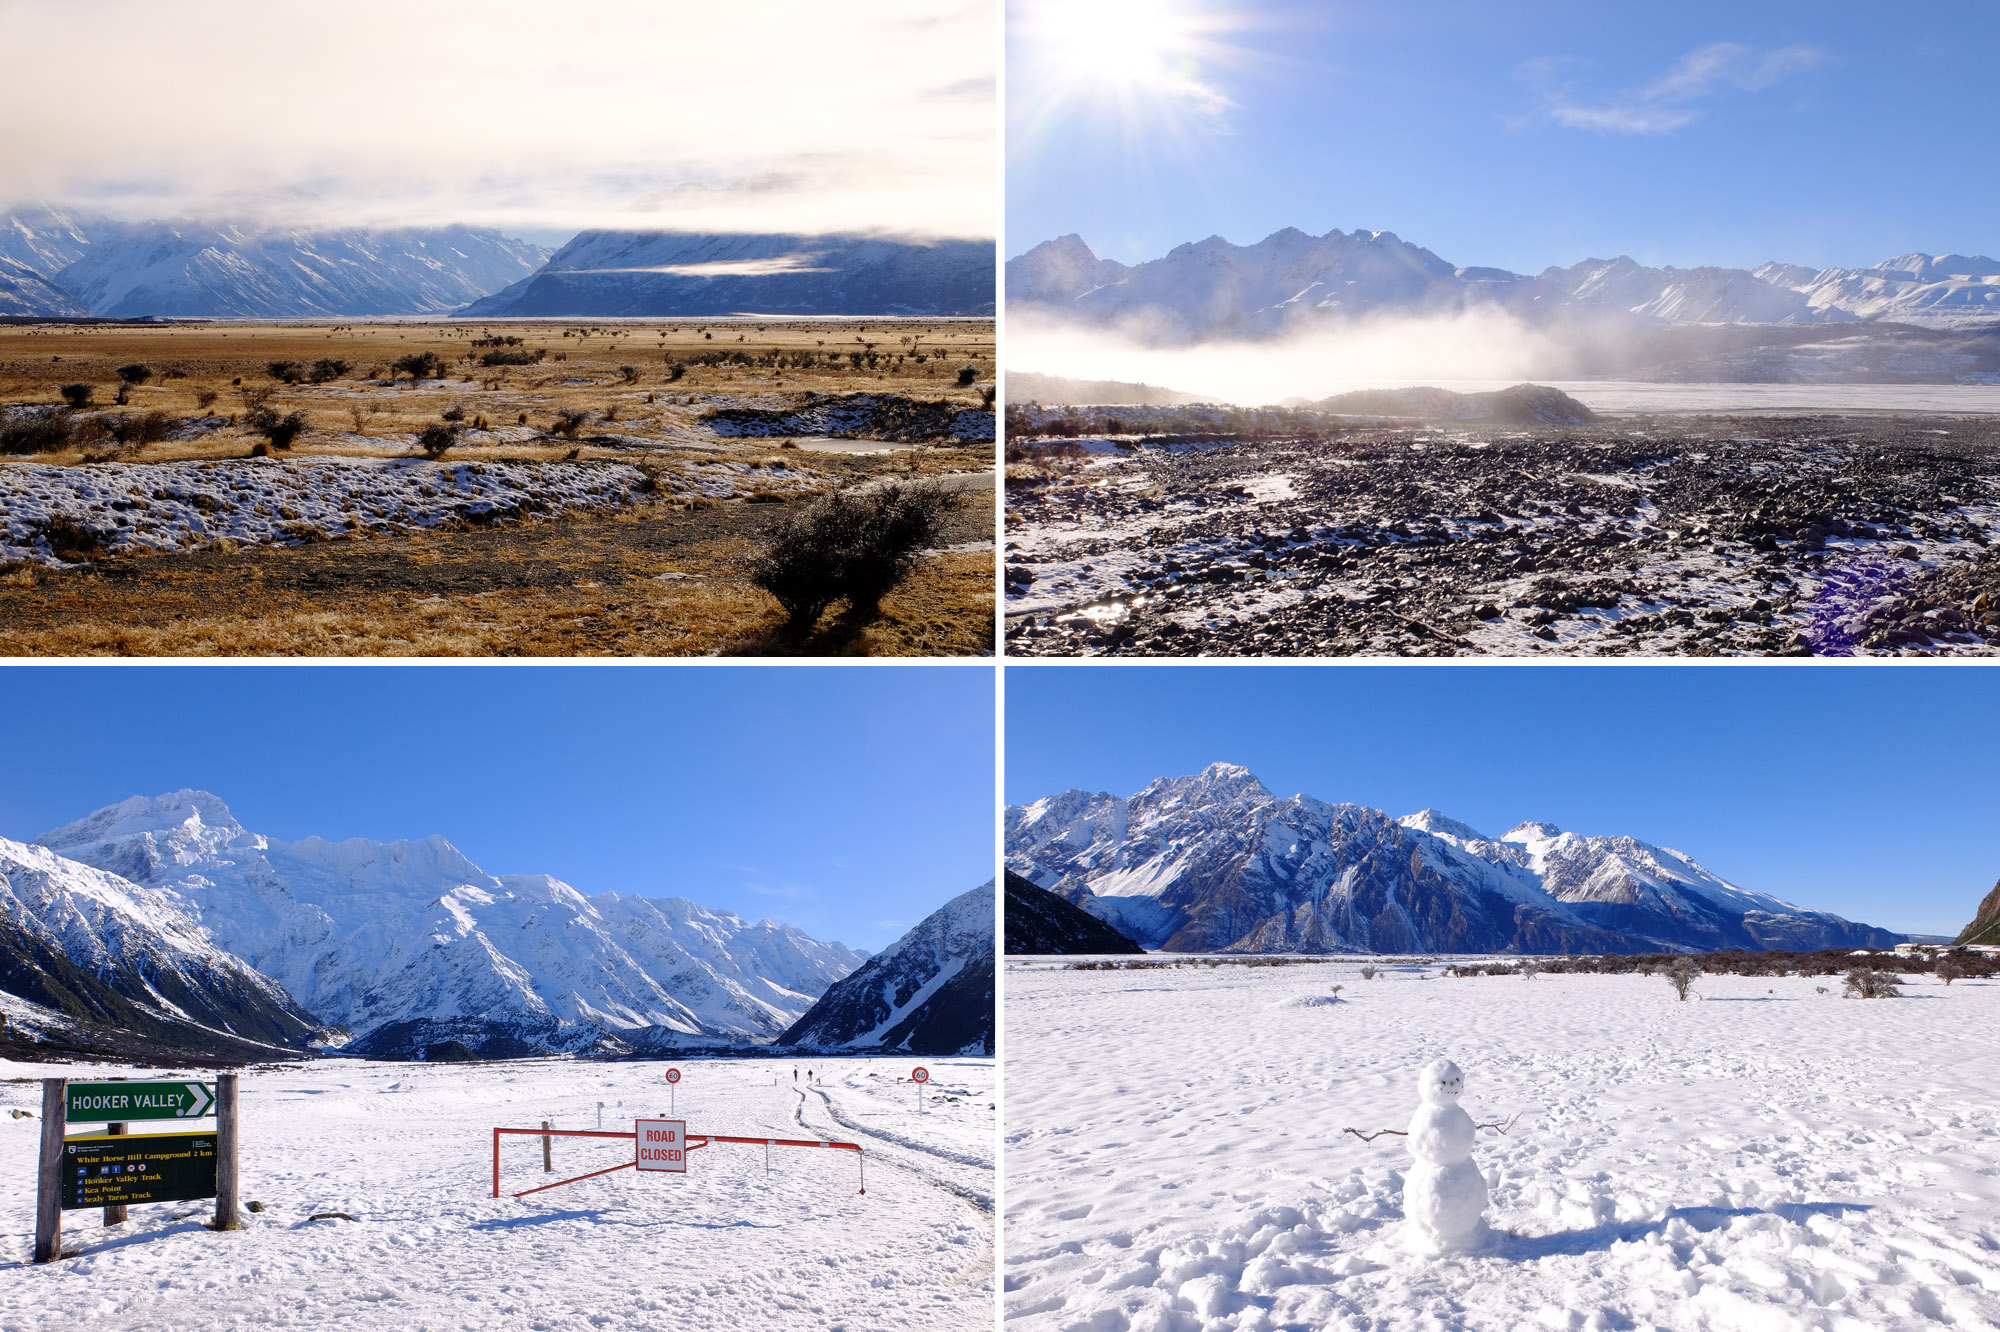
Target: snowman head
(1440, 1081)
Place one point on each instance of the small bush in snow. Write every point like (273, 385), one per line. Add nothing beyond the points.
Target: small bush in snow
(1367, 973)
(280, 431)
(570, 420)
(67, 538)
(1863, 983)
(1681, 973)
(435, 439)
(1950, 967)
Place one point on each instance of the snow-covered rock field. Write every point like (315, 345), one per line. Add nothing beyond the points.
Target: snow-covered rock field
(405, 1150)
(1764, 1156)
(185, 505)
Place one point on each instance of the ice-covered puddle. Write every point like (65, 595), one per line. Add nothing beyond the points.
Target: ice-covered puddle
(129, 507)
(1764, 1156)
(406, 1151)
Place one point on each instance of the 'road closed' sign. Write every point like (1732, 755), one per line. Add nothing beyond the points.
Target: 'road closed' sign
(662, 1144)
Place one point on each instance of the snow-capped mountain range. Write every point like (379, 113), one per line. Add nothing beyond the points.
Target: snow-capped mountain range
(412, 935)
(86, 946)
(58, 263)
(1216, 862)
(930, 992)
(634, 273)
(1212, 289)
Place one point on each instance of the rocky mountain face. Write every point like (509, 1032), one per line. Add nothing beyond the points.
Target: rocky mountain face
(1291, 281)
(616, 274)
(1038, 922)
(99, 266)
(1215, 862)
(91, 950)
(368, 934)
(930, 992)
(1985, 926)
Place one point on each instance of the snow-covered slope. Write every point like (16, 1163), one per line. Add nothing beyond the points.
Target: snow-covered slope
(367, 934)
(193, 267)
(1217, 862)
(1213, 289)
(23, 291)
(635, 273)
(930, 992)
(99, 950)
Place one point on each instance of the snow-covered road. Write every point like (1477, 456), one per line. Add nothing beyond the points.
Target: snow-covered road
(405, 1149)
(1769, 1156)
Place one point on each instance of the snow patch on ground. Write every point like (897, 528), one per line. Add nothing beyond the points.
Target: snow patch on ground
(406, 1151)
(1768, 1156)
(135, 507)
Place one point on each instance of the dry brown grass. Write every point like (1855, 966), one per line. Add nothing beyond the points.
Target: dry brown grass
(36, 359)
(650, 582)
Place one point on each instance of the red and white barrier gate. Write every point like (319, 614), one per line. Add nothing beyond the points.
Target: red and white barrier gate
(670, 1141)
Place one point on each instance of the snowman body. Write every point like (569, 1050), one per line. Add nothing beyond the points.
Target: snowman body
(1444, 1195)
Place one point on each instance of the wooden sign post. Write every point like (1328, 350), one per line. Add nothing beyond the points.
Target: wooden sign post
(116, 1168)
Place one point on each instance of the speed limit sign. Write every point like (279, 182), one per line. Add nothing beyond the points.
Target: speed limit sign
(920, 1075)
(673, 1076)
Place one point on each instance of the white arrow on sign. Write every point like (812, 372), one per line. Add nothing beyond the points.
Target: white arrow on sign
(202, 1101)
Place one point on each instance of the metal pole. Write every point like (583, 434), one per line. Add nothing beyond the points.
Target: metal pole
(226, 1136)
(48, 1180)
(548, 1161)
(114, 1213)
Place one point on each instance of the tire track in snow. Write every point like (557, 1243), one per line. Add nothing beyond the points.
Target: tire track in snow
(983, 1202)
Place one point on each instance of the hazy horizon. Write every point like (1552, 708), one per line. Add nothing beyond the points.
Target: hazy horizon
(489, 113)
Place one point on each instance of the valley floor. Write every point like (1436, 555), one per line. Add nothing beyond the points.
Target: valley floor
(1672, 535)
(603, 496)
(405, 1151)
(1764, 1156)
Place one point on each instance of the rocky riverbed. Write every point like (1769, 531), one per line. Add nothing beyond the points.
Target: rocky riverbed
(1671, 535)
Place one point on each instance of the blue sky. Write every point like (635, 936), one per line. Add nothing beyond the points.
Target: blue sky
(1871, 792)
(1516, 135)
(848, 801)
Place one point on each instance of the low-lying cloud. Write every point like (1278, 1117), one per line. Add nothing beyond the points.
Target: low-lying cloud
(1482, 345)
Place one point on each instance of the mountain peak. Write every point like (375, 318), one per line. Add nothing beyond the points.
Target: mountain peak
(187, 809)
(1442, 825)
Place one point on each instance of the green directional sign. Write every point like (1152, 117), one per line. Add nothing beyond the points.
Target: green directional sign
(117, 1102)
(103, 1171)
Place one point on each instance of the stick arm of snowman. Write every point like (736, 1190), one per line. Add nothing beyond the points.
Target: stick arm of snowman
(1498, 1126)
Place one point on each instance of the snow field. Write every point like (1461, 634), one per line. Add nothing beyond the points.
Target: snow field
(188, 505)
(1765, 1156)
(406, 1150)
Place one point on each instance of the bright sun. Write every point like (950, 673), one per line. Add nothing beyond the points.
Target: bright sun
(1141, 57)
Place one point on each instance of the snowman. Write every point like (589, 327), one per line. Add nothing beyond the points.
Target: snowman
(1444, 1195)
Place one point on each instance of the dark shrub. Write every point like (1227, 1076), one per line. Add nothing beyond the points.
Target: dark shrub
(147, 429)
(966, 376)
(76, 395)
(135, 374)
(1864, 983)
(291, 372)
(676, 370)
(67, 538)
(630, 373)
(419, 365)
(453, 413)
(848, 547)
(435, 439)
(327, 369)
(37, 432)
(280, 431)
(570, 420)
(493, 358)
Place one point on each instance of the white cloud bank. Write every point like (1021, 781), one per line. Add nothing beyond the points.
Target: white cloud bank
(785, 115)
